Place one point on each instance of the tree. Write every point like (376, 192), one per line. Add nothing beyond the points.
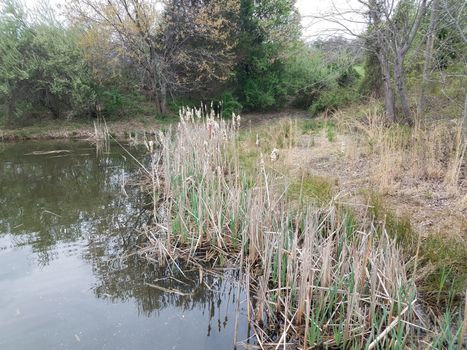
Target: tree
(58, 71)
(390, 37)
(132, 27)
(445, 48)
(269, 29)
(391, 29)
(41, 66)
(428, 55)
(179, 46)
(199, 41)
(13, 31)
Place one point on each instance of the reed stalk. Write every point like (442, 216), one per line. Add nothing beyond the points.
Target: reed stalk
(312, 279)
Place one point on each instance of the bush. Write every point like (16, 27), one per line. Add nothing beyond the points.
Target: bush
(331, 100)
(230, 105)
(118, 104)
(260, 92)
(177, 103)
(306, 75)
(43, 69)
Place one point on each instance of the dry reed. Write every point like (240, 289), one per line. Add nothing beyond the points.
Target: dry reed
(314, 278)
(425, 152)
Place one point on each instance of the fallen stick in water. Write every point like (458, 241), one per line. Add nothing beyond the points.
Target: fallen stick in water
(167, 290)
(39, 153)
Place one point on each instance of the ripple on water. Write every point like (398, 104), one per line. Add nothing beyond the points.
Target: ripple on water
(63, 228)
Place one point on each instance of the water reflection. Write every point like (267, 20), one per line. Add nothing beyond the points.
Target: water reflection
(68, 277)
(45, 199)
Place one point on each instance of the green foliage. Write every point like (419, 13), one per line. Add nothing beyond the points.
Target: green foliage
(306, 75)
(299, 75)
(41, 68)
(332, 99)
(371, 84)
(312, 188)
(448, 257)
(230, 105)
(117, 104)
(267, 31)
(44, 71)
(259, 82)
(322, 84)
(58, 71)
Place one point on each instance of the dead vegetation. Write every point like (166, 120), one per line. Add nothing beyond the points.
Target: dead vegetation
(420, 172)
(321, 269)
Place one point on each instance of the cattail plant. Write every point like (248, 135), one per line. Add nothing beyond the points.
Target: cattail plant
(314, 279)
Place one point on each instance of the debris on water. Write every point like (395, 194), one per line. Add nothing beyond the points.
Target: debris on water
(50, 212)
(39, 153)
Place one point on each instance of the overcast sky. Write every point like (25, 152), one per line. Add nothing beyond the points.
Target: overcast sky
(312, 28)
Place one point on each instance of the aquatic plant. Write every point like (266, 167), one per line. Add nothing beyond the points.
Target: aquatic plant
(315, 278)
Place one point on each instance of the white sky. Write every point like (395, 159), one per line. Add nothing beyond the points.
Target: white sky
(312, 28)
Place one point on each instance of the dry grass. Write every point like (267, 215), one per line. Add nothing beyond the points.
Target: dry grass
(430, 152)
(315, 277)
(420, 171)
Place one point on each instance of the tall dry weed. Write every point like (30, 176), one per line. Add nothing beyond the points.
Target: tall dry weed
(398, 153)
(314, 278)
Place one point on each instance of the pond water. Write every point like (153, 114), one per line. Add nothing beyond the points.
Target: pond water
(66, 221)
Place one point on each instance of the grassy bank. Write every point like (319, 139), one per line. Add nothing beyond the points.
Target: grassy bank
(122, 127)
(81, 129)
(323, 269)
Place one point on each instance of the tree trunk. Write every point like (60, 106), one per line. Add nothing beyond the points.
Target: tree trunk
(428, 57)
(389, 103)
(157, 102)
(399, 77)
(163, 99)
(464, 120)
(11, 110)
(160, 100)
(159, 90)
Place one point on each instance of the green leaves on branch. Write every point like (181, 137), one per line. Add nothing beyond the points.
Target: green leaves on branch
(42, 68)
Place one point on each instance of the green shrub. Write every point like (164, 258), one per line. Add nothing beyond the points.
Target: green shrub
(179, 102)
(448, 258)
(316, 189)
(260, 92)
(230, 105)
(313, 125)
(331, 100)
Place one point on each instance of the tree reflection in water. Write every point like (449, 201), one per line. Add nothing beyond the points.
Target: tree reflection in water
(72, 204)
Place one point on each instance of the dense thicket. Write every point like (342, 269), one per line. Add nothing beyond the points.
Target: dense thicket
(42, 69)
(134, 57)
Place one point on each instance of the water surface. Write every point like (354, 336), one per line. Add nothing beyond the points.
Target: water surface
(66, 222)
